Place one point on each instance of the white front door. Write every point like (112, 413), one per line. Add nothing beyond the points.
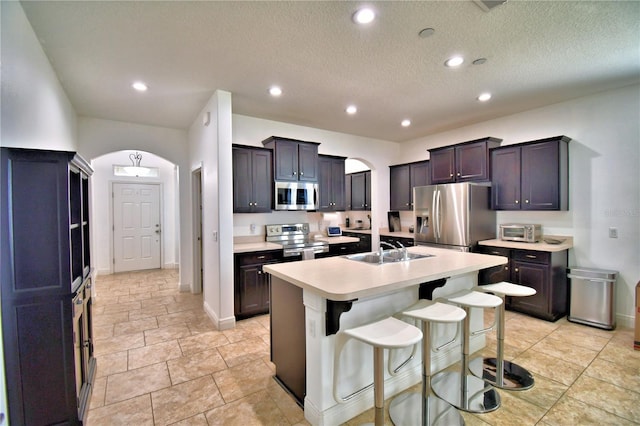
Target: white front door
(136, 226)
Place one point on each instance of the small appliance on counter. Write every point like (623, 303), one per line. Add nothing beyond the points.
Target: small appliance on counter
(334, 231)
(522, 232)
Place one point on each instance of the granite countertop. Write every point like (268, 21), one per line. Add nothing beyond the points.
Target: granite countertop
(255, 246)
(338, 278)
(338, 240)
(567, 243)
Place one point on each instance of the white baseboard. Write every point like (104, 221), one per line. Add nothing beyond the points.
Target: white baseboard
(221, 324)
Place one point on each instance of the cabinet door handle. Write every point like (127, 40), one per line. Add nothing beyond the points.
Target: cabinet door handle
(516, 269)
(531, 256)
(261, 257)
(506, 268)
(526, 201)
(517, 202)
(458, 174)
(450, 174)
(495, 252)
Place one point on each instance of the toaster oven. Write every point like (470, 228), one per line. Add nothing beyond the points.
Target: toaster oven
(523, 232)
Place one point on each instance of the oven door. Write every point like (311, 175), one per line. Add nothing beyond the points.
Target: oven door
(296, 196)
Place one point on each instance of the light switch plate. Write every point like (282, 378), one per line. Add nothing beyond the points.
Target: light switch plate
(613, 232)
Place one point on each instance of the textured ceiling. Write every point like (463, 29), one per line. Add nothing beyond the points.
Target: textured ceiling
(537, 53)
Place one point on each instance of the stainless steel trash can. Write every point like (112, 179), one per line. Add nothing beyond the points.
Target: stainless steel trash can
(592, 300)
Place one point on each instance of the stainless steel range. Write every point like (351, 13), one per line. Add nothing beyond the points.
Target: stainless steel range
(295, 239)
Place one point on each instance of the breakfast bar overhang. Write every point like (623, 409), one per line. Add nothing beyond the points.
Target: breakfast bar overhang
(311, 301)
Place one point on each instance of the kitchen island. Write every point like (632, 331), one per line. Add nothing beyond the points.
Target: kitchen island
(311, 301)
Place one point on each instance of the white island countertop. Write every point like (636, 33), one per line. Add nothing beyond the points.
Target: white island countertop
(566, 244)
(342, 279)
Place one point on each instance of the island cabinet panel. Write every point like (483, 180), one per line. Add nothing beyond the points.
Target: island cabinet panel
(465, 162)
(45, 274)
(251, 284)
(531, 176)
(293, 160)
(543, 271)
(361, 191)
(363, 245)
(402, 179)
(331, 183)
(252, 180)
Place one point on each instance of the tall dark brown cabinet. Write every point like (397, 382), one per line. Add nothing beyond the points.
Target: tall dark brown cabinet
(46, 286)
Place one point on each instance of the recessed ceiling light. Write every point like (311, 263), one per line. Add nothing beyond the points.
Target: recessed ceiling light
(365, 15)
(406, 123)
(484, 97)
(454, 61)
(351, 109)
(479, 61)
(140, 86)
(427, 32)
(275, 91)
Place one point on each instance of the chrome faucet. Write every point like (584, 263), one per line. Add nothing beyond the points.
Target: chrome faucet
(381, 251)
(403, 250)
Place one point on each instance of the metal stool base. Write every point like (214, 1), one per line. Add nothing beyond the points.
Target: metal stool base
(407, 410)
(467, 393)
(514, 377)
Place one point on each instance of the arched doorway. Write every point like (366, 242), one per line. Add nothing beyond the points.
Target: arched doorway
(110, 186)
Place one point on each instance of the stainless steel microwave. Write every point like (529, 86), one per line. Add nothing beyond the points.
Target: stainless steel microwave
(523, 232)
(296, 196)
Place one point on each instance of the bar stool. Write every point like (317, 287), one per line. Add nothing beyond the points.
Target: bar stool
(500, 373)
(462, 389)
(389, 333)
(415, 408)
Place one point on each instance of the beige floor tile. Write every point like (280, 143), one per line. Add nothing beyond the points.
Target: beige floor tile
(243, 351)
(544, 393)
(514, 408)
(582, 337)
(621, 353)
(134, 297)
(245, 331)
(144, 289)
(539, 363)
(103, 331)
(254, 410)
(185, 400)
(147, 312)
(129, 384)
(163, 334)
(620, 375)
(569, 411)
(118, 343)
(136, 411)
(181, 317)
(109, 319)
(564, 350)
(200, 326)
(157, 300)
(111, 363)
(199, 364)
(121, 307)
(134, 326)
(197, 420)
(202, 342)
(613, 399)
(237, 382)
(153, 354)
(291, 410)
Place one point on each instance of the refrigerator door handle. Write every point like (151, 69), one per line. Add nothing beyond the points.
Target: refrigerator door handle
(438, 213)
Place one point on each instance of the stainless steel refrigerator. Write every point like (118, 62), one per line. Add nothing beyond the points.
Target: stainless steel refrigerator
(453, 216)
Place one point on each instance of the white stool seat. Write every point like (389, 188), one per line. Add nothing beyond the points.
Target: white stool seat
(387, 333)
(475, 299)
(508, 289)
(428, 310)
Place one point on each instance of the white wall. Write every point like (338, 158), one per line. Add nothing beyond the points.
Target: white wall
(210, 151)
(98, 137)
(375, 153)
(604, 178)
(101, 187)
(36, 113)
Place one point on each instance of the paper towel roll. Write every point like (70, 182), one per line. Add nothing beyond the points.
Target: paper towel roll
(308, 254)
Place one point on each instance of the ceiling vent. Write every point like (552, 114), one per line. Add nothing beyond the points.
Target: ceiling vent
(487, 5)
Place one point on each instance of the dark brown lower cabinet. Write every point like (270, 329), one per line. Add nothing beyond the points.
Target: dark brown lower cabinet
(251, 284)
(543, 271)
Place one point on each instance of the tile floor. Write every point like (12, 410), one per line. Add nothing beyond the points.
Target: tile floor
(161, 362)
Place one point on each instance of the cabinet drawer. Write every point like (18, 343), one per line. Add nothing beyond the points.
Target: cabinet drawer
(531, 256)
(260, 257)
(495, 251)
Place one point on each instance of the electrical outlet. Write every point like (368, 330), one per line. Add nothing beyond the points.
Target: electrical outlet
(252, 227)
(613, 232)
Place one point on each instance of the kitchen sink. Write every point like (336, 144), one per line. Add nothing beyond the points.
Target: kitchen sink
(389, 256)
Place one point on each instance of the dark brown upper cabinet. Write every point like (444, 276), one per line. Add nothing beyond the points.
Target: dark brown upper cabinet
(252, 180)
(293, 160)
(531, 176)
(464, 162)
(331, 183)
(402, 179)
(361, 190)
